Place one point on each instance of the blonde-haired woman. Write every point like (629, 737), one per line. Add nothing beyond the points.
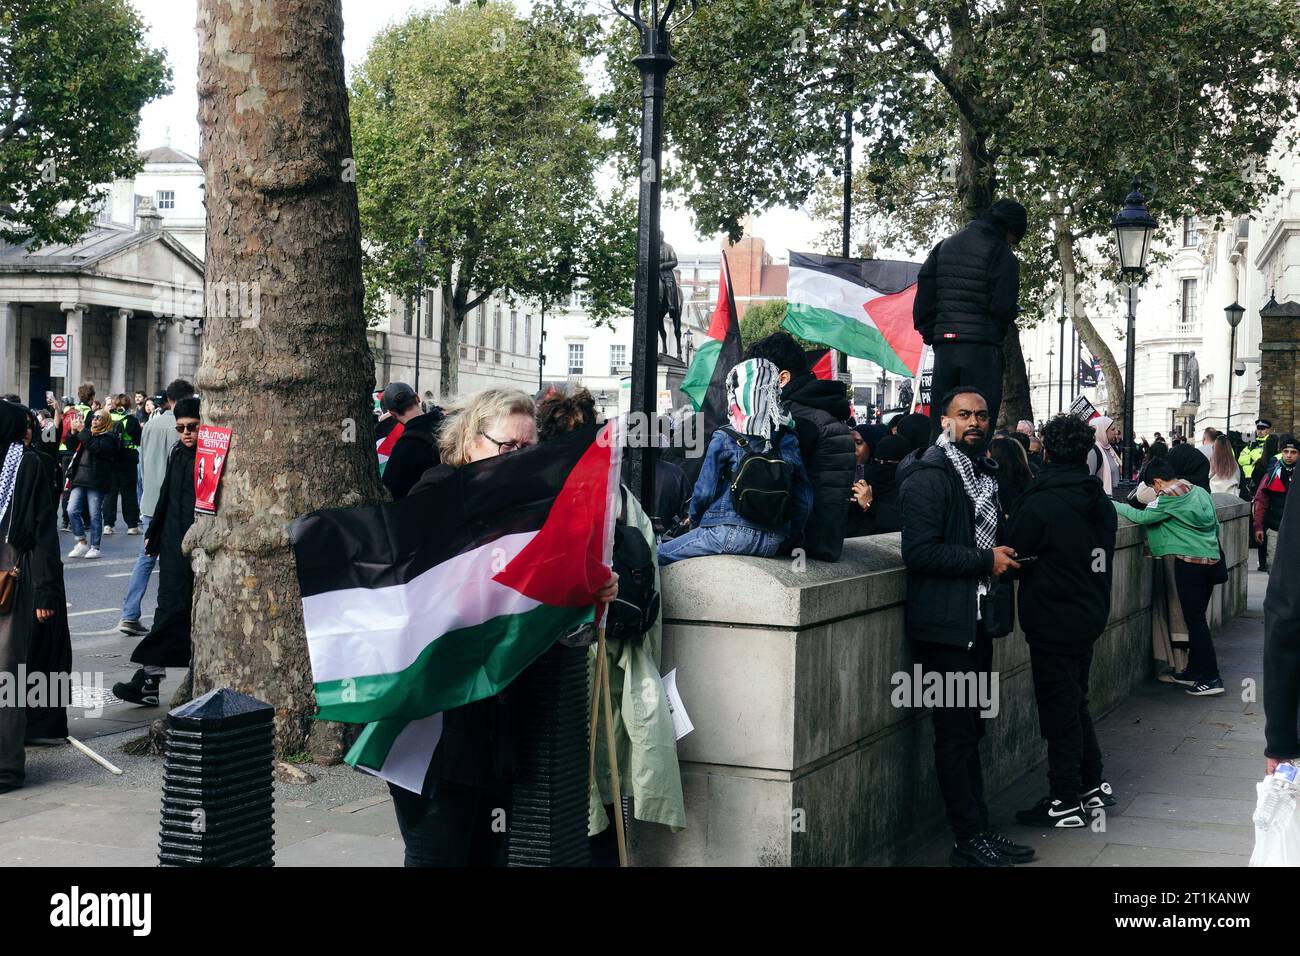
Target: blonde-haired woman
(92, 476)
(452, 820)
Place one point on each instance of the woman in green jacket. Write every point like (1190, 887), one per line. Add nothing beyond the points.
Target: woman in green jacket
(1182, 522)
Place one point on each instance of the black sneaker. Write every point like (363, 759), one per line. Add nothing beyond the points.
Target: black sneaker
(141, 689)
(1099, 796)
(134, 628)
(1207, 688)
(977, 851)
(1015, 852)
(1050, 812)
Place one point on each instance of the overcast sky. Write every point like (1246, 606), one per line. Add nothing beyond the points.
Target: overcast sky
(172, 27)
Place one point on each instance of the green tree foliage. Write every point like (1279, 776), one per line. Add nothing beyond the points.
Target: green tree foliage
(76, 74)
(476, 126)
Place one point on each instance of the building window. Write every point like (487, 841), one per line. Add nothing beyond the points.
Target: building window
(576, 350)
(166, 198)
(514, 331)
(408, 308)
(528, 333)
(1180, 369)
(496, 329)
(482, 325)
(617, 358)
(1187, 313)
(1191, 238)
(427, 309)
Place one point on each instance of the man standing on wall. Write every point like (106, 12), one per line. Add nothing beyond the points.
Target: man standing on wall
(952, 523)
(966, 294)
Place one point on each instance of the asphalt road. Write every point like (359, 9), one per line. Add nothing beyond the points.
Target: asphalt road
(95, 591)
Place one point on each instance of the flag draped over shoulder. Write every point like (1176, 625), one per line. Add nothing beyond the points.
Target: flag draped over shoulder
(386, 434)
(863, 307)
(706, 380)
(443, 597)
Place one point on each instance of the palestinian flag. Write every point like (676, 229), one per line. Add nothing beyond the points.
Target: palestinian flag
(821, 362)
(442, 598)
(862, 307)
(706, 380)
(386, 434)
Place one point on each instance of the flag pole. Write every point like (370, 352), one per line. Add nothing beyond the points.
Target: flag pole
(615, 784)
(595, 712)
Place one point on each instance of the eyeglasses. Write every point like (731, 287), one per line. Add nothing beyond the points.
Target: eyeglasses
(183, 429)
(965, 415)
(506, 446)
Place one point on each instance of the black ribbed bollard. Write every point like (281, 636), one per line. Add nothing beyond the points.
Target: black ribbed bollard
(218, 798)
(548, 821)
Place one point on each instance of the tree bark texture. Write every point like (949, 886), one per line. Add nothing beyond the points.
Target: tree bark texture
(291, 373)
(1115, 383)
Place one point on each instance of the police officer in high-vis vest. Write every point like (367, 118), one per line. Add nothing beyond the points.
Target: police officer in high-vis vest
(124, 470)
(1252, 469)
(1250, 456)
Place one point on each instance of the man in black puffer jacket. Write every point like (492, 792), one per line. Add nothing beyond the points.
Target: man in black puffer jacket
(821, 412)
(966, 295)
(1065, 521)
(955, 607)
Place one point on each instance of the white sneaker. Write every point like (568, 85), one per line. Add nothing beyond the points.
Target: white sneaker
(92, 553)
(135, 529)
(109, 531)
(79, 550)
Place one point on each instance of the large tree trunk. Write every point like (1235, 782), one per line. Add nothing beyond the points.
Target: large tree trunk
(450, 343)
(294, 378)
(1115, 383)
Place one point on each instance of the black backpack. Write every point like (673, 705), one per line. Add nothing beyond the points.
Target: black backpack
(636, 608)
(762, 485)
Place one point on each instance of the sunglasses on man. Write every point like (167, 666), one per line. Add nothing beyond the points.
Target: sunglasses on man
(185, 429)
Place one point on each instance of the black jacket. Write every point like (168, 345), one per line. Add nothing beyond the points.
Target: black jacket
(821, 411)
(99, 455)
(414, 454)
(1282, 641)
(168, 642)
(944, 567)
(1065, 519)
(968, 287)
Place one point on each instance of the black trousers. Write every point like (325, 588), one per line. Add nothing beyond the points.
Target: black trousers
(966, 363)
(1061, 689)
(457, 826)
(1195, 585)
(124, 485)
(957, 734)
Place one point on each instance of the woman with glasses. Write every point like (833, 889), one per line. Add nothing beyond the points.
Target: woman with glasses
(168, 642)
(455, 819)
(98, 448)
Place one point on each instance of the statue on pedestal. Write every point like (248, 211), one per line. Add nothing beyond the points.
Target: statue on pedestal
(670, 295)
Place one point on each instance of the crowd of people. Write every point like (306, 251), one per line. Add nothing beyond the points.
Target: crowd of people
(67, 467)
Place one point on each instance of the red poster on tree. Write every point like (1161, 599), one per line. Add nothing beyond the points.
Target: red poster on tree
(210, 458)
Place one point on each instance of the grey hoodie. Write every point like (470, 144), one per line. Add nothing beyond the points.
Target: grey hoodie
(156, 441)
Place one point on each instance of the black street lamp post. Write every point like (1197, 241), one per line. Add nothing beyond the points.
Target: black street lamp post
(1060, 386)
(1050, 355)
(654, 62)
(1234, 313)
(1133, 227)
(420, 246)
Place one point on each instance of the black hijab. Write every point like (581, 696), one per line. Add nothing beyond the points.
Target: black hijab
(916, 429)
(14, 422)
(1188, 462)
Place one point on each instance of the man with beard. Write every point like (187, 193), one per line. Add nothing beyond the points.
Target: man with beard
(168, 642)
(1272, 489)
(952, 524)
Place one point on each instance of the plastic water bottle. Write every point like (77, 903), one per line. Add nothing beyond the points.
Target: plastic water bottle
(1279, 802)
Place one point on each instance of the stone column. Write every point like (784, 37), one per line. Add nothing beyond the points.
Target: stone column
(117, 365)
(9, 347)
(171, 352)
(74, 312)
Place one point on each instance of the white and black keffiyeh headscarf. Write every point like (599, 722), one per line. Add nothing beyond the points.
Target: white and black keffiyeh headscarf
(13, 426)
(983, 491)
